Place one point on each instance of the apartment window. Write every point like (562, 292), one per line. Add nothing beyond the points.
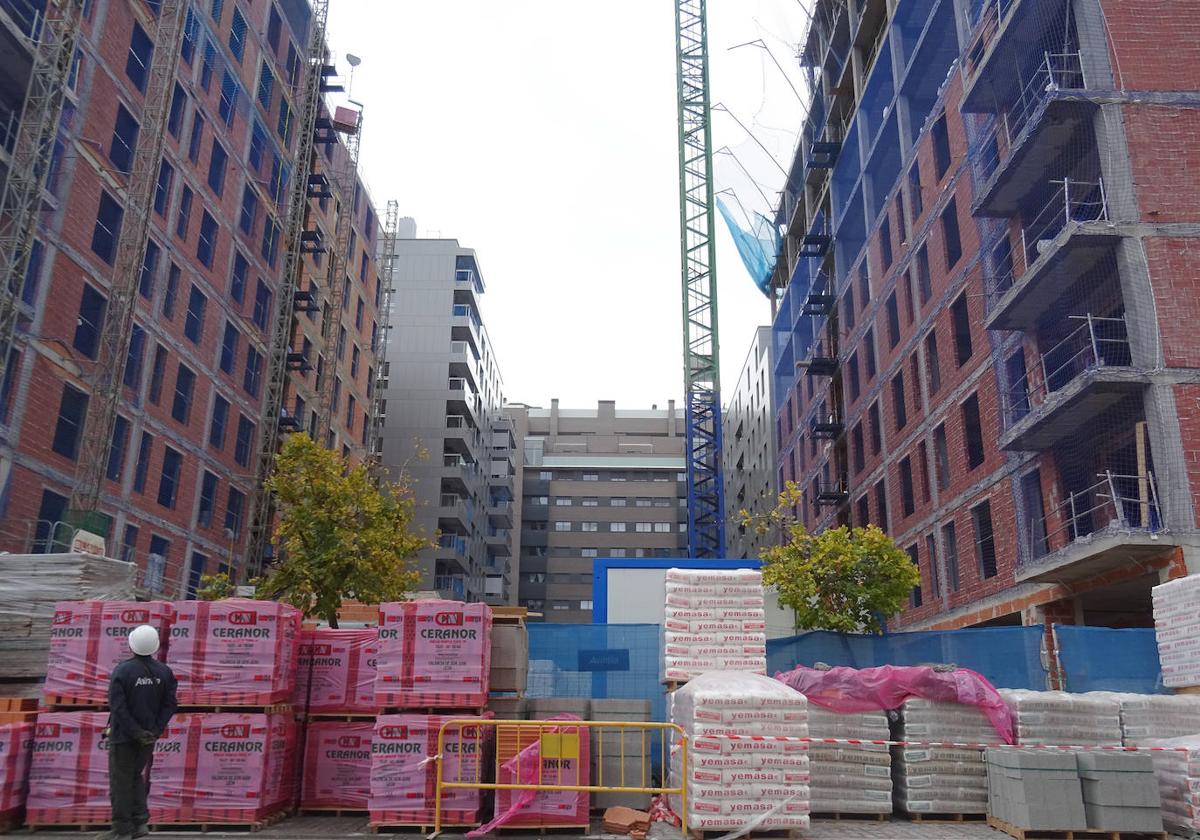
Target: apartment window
(1018, 386)
(172, 292)
(143, 462)
(545, 475)
(985, 545)
(237, 35)
(216, 429)
(562, 526)
(341, 343)
(941, 146)
(185, 386)
(617, 527)
(229, 347)
(941, 457)
(124, 140)
(855, 384)
(262, 305)
(924, 276)
(881, 505)
(208, 500)
(893, 320)
(950, 234)
(589, 526)
(237, 283)
(591, 477)
(931, 555)
(662, 527)
(960, 321)
(72, 409)
(617, 502)
(245, 440)
(869, 349)
(874, 428)
(933, 369)
(643, 527)
(270, 241)
(914, 190)
(216, 168)
(234, 505)
(175, 114)
(864, 511)
(193, 322)
(916, 599)
(1035, 512)
(184, 219)
(590, 552)
(907, 496)
(914, 373)
(355, 355)
(109, 215)
(196, 138)
(168, 482)
(133, 360)
(350, 412)
(249, 210)
(253, 372)
(972, 431)
(129, 544)
(858, 447)
(848, 308)
(644, 502)
(899, 411)
(91, 318)
(162, 190)
(885, 242)
(156, 373)
(274, 24)
(137, 64)
(206, 245)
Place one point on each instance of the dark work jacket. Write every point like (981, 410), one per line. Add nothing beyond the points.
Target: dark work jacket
(141, 703)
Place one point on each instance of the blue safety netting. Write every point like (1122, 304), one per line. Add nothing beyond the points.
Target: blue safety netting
(1010, 657)
(758, 247)
(1103, 659)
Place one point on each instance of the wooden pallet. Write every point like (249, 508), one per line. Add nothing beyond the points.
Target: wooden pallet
(509, 615)
(413, 828)
(773, 834)
(64, 827)
(434, 712)
(843, 815)
(332, 812)
(236, 709)
(1187, 689)
(541, 830)
(66, 703)
(18, 704)
(939, 817)
(217, 825)
(1070, 834)
(343, 718)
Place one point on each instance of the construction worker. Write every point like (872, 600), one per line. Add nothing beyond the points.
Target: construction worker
(141, 697)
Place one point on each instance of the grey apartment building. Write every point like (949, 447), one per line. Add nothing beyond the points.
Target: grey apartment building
(594, 483)
(748, 448)
(443, 427)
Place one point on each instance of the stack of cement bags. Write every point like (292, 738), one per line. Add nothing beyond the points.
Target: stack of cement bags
(1150, 716)
(1178, 772)
(1056, 717)
(850, 778)
(941, 780)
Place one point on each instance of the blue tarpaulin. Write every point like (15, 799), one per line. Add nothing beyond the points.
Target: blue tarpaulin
(1103, 659)
(758, 248)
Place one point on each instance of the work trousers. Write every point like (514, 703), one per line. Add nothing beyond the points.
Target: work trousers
(127, 784)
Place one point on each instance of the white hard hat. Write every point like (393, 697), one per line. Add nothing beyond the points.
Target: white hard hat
(144, 640)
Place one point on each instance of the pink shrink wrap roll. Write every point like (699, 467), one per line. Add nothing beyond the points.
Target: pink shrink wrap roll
(433, 655)
(89, 638)
(234, 651)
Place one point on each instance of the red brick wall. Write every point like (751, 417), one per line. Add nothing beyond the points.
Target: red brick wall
(1154, 47)
(1163, 149)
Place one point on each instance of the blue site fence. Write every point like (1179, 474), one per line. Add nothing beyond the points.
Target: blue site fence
(1101, 659)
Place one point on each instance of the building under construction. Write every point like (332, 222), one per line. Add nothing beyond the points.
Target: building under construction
(983, 339)
(193, 272)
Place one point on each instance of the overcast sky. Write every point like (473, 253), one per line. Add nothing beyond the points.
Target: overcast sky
(543, 134)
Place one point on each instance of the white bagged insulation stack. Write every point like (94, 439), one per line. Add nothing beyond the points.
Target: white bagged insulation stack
(758, 779)
(1178, 772)
(1059, 718)
(714, 621)
(1177, 629)
(941, 780)
(850, 778)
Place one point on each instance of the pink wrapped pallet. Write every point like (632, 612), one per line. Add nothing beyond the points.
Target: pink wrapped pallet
(88, 639)
(433, 655)
(211, 767)
(335, 673)
(236, 651)
(337, 765)
(543, 809)
(16, 745)
(404, 783)
(68, 771)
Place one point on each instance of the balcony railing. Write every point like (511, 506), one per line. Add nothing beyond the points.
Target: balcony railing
(455, 585)
(453, 542)
(450, 500)
(1071, 201)
(1095, 343)
(456, 421)
(461, 310)
(457, 383)
(1115, 503)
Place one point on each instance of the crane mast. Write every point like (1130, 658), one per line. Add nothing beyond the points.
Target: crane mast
(701, 361)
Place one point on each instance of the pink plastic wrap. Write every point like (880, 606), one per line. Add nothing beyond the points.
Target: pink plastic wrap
(89, 638)
(335, 672)
(16, 746)
(227, 767)
(234, 651)
(434, 654)
(337, 765)
(404, 780)
(848, 690)
(68, 772)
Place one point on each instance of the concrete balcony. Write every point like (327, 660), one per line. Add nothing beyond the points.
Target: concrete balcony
(457, 473)
(460, 434)
(1115, 523)
(454, 514)
(499, 514)
(466, 326)
(498, 542)
(1003, 33)
(464, 363)
(1075, 382)
(1063, 242)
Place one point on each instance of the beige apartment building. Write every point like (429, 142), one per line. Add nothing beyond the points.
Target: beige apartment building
(595, 483)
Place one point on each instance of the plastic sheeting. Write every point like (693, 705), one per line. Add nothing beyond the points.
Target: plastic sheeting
(887, 687)
(433, 654)
(758, 248)
(1009, 657)
(336, 672)
(1103, 659)
(16, 745)
(88, 639)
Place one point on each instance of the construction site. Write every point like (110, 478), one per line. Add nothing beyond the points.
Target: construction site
(975, 264)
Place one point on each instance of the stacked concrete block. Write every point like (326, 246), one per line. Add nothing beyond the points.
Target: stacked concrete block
(1120, 791)
(1177, 630)
(1059, 718)
(941, 780)
(1177, 768)
(621, 756)
(849, 778)
(1035, 789)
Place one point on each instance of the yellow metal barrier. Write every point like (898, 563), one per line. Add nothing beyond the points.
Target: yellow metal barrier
(564, 751)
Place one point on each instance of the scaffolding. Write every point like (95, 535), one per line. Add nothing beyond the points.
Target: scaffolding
(117, 330)
(387, 271)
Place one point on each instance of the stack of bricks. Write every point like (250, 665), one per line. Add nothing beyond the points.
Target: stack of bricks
(433, 665)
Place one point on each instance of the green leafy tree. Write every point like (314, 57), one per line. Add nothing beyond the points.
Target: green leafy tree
(842, 579)
(215, 587)
(340, 536)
